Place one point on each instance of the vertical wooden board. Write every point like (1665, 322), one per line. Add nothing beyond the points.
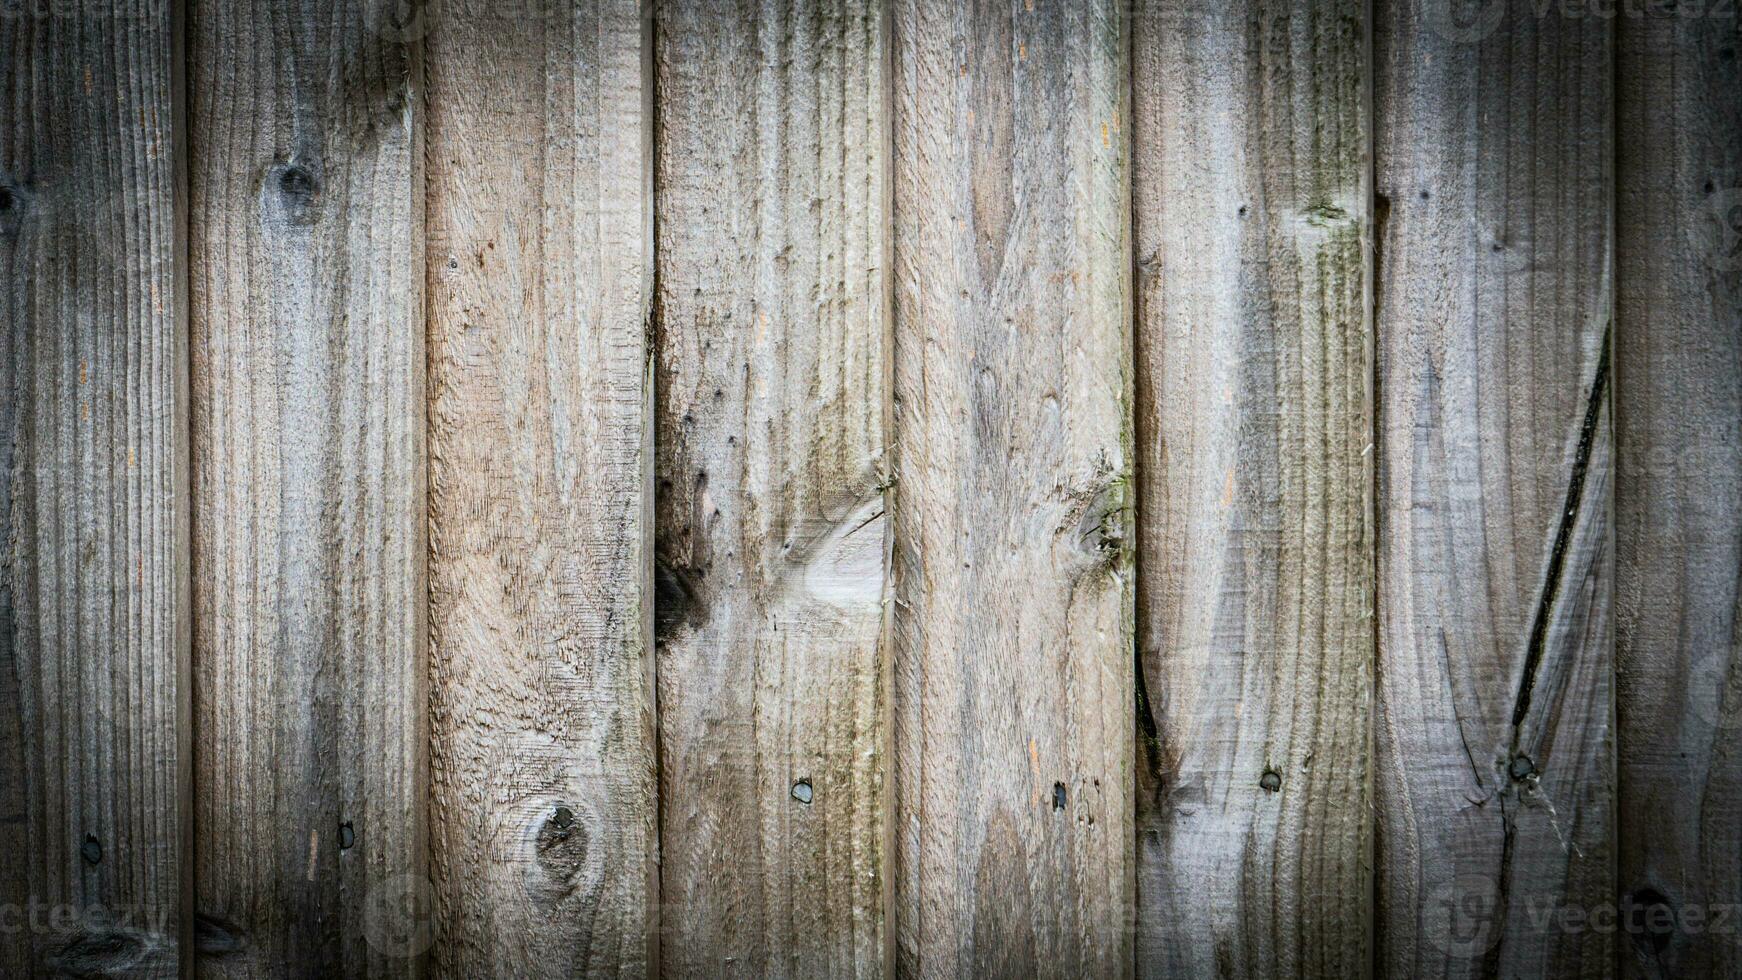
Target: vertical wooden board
(1678, 492)
(540, 279)
(772, 377)
(1495, 779)
(94, 619)
(1250, 177)
(1013, 682)
(309, 549)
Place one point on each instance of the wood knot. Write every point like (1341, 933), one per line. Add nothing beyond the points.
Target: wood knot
(215, 937)
(1521, 768)
(561, 849)
(107, 953)
(1650, 918)
(14, 202)
(292, 193)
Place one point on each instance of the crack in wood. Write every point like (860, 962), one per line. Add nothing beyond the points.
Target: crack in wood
(1563, 537)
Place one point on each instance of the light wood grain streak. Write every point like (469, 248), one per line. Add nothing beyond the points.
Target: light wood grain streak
(1678, 492)
(94, 618)
(773, 359)
(1495, 751)
(1013, 688)
(539, 281)
(306, 260)
(1255, 599)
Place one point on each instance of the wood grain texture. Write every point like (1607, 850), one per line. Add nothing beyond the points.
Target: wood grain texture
(94, 618)
(1255, 601)
(540, 278)
(1678, 493)
(1495, 779)
(306, 260)
(1013, 687)
(773, 370)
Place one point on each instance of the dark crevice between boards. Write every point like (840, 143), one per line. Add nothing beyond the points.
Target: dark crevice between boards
(1150, 732)
(1570, 510)
(677, 603)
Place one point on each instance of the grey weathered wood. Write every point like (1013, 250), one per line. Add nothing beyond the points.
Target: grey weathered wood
(772, 532)
(1495, 779)
(540, 258)
(94, 620)
(1250, 176)
(1678, 493)
(306, 260)
(1013, 684)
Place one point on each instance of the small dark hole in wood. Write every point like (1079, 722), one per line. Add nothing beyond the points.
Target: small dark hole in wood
(1058, 796)
(1521, 767)
(1271, 781)
(563, 817)
(801, 791)
(1425, 195)
(7, 200)
(1710, 187)
(347, 836)
(91, 850)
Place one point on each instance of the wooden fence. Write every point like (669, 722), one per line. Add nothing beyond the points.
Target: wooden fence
(790, 488)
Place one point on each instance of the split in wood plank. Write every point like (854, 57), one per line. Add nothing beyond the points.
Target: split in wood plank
(1495, 778)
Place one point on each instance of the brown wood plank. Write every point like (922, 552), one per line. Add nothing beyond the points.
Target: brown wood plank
(1678, 492)
(306, 258)
(540, 261)
(1495, 780)
(94, 618)
(772, 533)
(1255, 602)
(1013, 683)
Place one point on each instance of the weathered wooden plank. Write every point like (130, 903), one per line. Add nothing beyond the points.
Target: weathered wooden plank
(540, 261)
(773, 367)
(1678, 491)
(1013, 629)
(306, 260)
(94, 618)
(1495, 774)
(1256, 647)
